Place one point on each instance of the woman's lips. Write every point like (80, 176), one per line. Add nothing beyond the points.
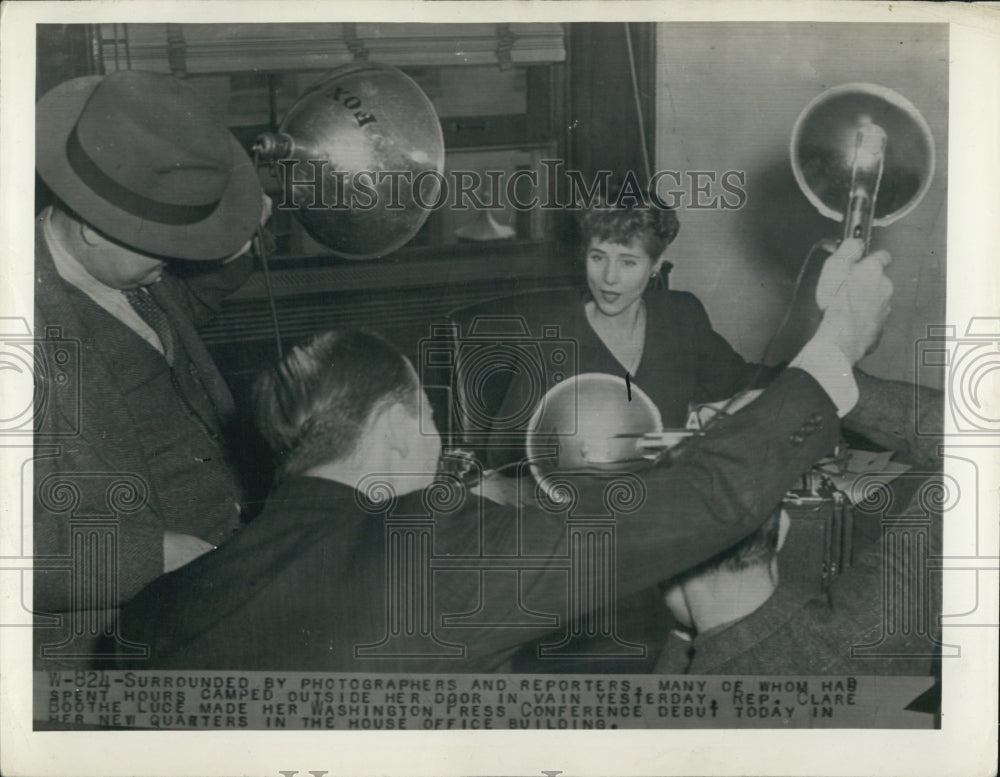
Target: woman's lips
(610, 296)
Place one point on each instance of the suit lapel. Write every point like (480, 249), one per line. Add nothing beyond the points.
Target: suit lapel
(196, 352)
(56, 304)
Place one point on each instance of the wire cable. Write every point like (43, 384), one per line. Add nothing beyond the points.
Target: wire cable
(262, 253)
(823, 244)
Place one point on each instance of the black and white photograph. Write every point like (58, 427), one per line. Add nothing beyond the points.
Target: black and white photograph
(592, 391)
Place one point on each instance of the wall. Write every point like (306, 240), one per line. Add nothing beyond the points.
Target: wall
(727, 97)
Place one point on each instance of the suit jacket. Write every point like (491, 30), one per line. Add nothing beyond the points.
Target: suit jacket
(115, 433)
(312, 583)
(883, 601)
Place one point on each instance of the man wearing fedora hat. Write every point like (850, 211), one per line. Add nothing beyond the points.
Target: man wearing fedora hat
(143, 176)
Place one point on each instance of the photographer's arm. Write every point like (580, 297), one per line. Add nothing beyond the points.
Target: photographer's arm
(888, 413)
(719, 490)
(724, 484)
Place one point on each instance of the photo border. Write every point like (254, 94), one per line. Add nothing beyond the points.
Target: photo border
(961, 746)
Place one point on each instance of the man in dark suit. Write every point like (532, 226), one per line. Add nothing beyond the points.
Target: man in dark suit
(143, 176)
(363, 560)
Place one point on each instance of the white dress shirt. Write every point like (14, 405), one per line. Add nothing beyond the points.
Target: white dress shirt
(76, 275)
(832, 370)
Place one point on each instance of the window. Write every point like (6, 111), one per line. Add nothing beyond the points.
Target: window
(495, 87)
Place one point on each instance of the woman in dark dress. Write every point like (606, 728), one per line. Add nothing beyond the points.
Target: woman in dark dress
(628, 323)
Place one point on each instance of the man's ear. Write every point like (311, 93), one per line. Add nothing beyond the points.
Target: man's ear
(398, 427)
(89, 235)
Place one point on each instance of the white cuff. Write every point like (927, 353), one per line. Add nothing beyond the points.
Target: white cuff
(832, 370)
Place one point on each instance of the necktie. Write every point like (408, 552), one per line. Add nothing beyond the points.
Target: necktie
(144, 304)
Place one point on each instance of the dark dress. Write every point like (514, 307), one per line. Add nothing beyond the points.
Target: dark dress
(684, 361)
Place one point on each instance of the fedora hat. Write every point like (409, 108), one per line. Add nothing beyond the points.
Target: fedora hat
(139, 157)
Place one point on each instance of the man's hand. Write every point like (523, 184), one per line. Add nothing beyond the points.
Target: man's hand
(181, 549)
(853, 294)
(502, 490)
(836, 268)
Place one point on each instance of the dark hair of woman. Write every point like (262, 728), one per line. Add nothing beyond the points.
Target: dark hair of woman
(624, 220)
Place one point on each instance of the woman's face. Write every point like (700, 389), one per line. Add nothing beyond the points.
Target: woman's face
(618, 274)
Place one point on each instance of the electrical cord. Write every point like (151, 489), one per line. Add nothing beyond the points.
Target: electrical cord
(262, 253)
(823, 244)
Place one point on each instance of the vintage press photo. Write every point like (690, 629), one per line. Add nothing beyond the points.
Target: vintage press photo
(582, 388)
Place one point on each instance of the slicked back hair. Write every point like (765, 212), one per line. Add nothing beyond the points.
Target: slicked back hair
(313, 405)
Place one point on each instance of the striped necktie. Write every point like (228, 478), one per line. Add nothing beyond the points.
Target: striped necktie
(150, 312)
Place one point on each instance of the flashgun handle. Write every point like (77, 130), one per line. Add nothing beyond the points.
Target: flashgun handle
(866, 176)
(274, 145)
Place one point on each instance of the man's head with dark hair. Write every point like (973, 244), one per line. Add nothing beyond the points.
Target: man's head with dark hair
(316, 405)
(757, 548)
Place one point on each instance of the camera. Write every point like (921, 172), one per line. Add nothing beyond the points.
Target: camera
(41, 379)
(968, 366)
(495, 372)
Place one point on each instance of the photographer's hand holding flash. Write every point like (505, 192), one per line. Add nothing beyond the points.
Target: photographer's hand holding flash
(853, 293)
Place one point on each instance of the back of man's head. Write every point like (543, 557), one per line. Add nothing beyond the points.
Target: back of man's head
(731, 584)
(312, 406)
(757, 549)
